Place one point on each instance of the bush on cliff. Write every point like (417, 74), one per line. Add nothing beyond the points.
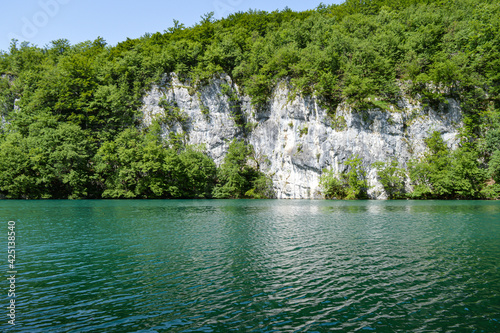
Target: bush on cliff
(348, 185)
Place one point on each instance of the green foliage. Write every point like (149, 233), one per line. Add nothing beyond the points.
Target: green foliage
(7, 97)
(203, 108)
(238, 179)
(234, 105)
(17, 177)
(139, 166)
(119, 164)
(172, 114)
(262, 188)
(235, 175)
(494, 167)
(431, 176)
(357, 52)
(348, 185)
(493, 140)
(391, 176)
(356, 179)
(52, 161)
(354, 51)
(338, 122)
(200, 173)
(332, 187)
(442, 174)
(303, 131)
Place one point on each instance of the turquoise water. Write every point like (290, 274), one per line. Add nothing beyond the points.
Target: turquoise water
(254, 266)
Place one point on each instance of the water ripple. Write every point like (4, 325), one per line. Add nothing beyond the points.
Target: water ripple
(257, 266)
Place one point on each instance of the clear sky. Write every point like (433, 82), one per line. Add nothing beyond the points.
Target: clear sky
(42, 21)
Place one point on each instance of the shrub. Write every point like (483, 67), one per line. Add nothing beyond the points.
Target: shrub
(348, 185)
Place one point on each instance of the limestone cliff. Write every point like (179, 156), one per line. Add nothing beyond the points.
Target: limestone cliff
(294, 137)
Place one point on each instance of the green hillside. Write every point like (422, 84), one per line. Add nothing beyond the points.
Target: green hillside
(72, 132)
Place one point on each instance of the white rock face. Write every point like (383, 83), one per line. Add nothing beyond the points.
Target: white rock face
(295, 139)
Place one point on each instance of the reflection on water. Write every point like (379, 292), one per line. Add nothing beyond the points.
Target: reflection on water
(218, 266)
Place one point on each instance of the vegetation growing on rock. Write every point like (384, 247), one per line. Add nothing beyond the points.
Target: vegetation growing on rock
(70, 112)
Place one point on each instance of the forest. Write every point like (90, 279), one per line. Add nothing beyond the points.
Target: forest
(70, 113)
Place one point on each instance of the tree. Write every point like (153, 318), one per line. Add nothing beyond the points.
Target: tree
(332, 187)
(140, 165)
(441, 174)
(51, 162)
(392, 178)
(348, 185)
(200, 173)
(236, 178)
(17, 178)
(234, 175)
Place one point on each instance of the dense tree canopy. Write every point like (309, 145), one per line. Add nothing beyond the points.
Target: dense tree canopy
(56, 96)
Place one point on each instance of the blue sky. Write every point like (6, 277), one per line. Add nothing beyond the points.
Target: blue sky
(41, 21)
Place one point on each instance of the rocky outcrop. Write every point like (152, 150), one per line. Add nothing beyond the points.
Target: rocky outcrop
(294, 137)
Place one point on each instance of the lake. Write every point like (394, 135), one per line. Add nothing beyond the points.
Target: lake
(253, 266)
